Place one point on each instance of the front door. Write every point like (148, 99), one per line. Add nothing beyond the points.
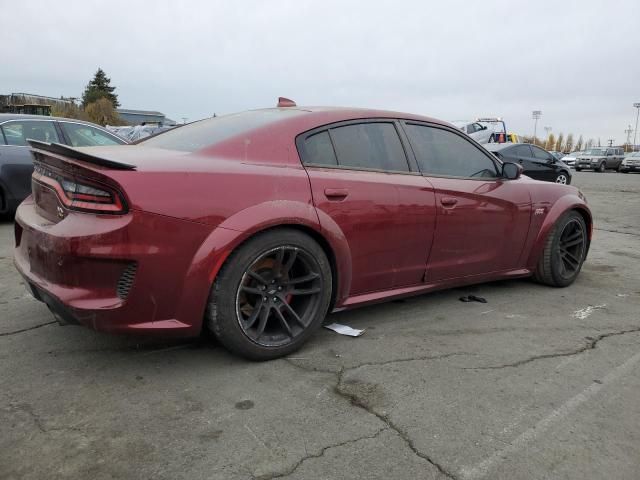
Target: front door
(482, 219)
(362, 182)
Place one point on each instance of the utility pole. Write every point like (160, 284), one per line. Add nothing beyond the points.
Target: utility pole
(536, 114)
(637, 107)
(628, 131)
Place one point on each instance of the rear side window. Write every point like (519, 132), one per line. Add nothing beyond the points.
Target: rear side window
(17, 132)
(87, 136)
(318, 150)
(521, 151)
(539, 153)
(371, 146)
(440, 152)
(202, 134)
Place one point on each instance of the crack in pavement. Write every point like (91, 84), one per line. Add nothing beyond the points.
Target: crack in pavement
(6, 334)
(618, 231)
(355, 400)
(292, 470)
(390, 425)
(591, 344)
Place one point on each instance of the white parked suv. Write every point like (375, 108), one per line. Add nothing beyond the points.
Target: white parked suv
(476, 130)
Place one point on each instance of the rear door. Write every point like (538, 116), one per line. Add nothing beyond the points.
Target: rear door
(362, 181)
(483, 219)
(15, 157)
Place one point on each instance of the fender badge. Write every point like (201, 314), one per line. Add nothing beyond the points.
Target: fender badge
(539, 211)
(60, 212)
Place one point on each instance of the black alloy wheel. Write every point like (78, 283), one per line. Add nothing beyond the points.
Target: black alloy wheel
(271, 294)
(564, 252)
(279, 296)
(571, 248)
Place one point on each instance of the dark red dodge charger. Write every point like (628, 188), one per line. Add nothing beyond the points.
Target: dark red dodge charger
(255, 225)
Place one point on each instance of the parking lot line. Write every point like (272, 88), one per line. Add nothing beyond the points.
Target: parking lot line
(482, 469)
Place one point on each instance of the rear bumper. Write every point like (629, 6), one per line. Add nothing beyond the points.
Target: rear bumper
(118, 274)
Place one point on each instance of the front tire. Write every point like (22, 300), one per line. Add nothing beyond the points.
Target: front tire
(563, 178)
(564, 251)
(271, 295)
(602, 168)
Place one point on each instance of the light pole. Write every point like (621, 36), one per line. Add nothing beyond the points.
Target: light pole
(637, 107)
(536, 114)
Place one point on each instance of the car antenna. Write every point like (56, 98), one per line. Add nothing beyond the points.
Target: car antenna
(286, 102)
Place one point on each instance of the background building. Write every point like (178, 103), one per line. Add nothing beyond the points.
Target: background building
(139, 117)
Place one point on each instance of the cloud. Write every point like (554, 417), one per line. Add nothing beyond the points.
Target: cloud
(572, 60)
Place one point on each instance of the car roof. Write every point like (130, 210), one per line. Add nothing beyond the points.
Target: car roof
(23, 116)
(494, 147)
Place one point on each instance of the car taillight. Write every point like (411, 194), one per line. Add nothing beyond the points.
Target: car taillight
(80, 194)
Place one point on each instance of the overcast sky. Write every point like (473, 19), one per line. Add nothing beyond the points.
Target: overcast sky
(577, 61)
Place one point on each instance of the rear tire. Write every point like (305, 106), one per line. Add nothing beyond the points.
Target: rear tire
(564, 251)
(578, 169)
(602, 168)
(271, 295)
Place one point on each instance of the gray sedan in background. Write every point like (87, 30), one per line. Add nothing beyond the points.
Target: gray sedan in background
(15, 157)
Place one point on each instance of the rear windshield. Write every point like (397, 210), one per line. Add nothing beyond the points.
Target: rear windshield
(199, 135)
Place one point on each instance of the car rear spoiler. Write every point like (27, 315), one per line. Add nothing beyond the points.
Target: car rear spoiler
(76, 154)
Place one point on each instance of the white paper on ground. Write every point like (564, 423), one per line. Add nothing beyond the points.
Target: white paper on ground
(344, 330)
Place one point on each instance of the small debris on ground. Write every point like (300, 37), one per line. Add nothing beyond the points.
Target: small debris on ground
(344, 330)
(473, 298)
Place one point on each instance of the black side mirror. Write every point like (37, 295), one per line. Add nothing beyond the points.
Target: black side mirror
(511, 171)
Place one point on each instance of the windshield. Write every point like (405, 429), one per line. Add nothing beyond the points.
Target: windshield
(199, 135)
(595, 151)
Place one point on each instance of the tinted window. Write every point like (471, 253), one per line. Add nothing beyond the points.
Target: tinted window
(441, 152)
(199, 135)
(539, 153)
(369, 145)
(17, 133)
(520, 151)
(86, 136)
(318, 150)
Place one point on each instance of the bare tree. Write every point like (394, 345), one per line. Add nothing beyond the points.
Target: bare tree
(560, 142)
(551, 141)
(580, 143)
(568, 146)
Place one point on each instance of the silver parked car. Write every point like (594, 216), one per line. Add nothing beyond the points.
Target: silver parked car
(16, 166)
(600, 159)
(630, 162)
(570, 158)
(476, 130)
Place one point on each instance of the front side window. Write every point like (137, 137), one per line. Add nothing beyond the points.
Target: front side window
(86, 136)
(441, 152)
(18, 132)
(369, 146)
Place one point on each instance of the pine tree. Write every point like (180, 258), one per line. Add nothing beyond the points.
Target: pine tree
(99, 87)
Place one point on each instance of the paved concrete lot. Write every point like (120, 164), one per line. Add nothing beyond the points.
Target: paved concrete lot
(537, 383)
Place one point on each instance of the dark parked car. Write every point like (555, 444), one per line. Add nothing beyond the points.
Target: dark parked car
(15, 157)
(536, 162)
(600, 159)
(255, 225)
